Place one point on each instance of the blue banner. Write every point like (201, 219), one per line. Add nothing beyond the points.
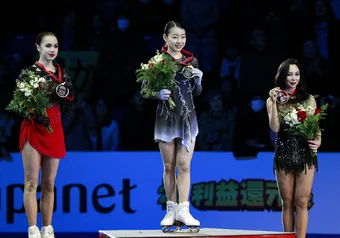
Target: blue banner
(123, 190)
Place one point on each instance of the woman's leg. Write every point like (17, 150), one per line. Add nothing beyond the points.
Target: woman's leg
(303, 188)
(184, 183)
(31, 161)
(183, 165)
(168, 152)
(49, 172)
(286, 183)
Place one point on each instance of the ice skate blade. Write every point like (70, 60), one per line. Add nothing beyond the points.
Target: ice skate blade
(170, 229)
(189, 229)
(179, 229)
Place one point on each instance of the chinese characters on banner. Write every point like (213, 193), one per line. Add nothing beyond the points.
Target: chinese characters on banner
(232, 195)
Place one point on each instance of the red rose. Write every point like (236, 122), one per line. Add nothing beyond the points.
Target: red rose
(151, 64)
(317, 111)
(302, 115)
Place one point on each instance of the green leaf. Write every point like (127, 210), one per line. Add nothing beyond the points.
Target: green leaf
(37, 101)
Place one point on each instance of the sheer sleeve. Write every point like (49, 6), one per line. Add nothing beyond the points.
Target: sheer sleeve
(195, 63)
(67, 104)
(197, 88)
(23, 73)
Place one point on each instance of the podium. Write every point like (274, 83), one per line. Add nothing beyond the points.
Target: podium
(203, 233)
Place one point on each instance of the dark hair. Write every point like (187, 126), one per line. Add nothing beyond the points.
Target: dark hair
(281, 76)
(170, 25)
(41, 36)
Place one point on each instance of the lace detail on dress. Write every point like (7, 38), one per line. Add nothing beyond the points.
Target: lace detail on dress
(181, 122)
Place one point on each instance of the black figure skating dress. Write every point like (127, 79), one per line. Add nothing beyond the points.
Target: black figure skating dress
(181, 122)
(292, 152)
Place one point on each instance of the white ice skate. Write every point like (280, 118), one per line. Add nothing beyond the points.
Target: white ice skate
(184, 218)
(47, 232)
(34, 232)
(170, 216)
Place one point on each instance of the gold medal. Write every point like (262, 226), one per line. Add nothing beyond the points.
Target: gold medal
(187, 71)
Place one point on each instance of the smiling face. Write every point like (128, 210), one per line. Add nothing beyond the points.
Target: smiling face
(48, 48)
(175, 39)
(293, 77)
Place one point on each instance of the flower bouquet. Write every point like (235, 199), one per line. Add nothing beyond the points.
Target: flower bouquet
(306, 120)
(30, 96)
(159, 73)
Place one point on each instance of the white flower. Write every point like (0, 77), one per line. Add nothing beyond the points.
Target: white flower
(294, 116)
(24, 87)
(42, 80)
(20, 85)
(144, 66)
(310, 110)
(287, 118)
(27, 93)
(291, 118)
(35, 85)
(158, 58)
(300, 107)
(32, 82)
(307, 108)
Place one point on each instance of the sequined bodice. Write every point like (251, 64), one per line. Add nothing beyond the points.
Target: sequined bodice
(292, 152)
(283, 109)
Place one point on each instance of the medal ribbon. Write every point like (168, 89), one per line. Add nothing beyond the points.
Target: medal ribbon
(59, 79)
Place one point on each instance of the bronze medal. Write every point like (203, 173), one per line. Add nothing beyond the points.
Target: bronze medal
(282, 97)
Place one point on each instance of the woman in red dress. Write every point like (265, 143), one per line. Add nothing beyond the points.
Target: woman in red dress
(39, 148)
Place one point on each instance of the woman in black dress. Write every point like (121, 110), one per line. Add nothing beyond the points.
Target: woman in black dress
(294, 163)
